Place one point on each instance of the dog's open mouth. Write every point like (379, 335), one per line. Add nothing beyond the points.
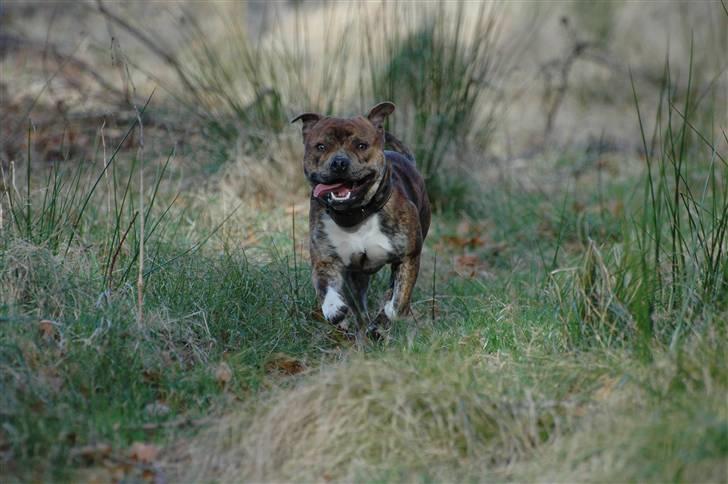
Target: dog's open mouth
(341, 191)
(337, 191)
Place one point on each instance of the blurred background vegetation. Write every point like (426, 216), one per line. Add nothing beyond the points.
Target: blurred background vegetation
(156, 313)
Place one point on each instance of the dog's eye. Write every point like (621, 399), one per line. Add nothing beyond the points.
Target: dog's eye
(321, 147)
(362, 146)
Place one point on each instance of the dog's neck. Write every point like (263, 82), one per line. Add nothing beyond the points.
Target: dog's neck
(355, 216)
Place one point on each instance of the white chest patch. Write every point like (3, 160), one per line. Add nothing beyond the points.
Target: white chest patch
(367, 239)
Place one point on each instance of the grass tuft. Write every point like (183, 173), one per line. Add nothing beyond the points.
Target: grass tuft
(670, 268)
(439, 416)
(441, 63)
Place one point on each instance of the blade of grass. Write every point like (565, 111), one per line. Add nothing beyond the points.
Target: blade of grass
(90, 192)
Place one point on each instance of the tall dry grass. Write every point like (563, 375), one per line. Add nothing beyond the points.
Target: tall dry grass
(670, 268)
(442, 63)
(440, 416)
(480, 418)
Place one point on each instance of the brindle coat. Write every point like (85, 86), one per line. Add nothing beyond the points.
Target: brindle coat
(385, 222)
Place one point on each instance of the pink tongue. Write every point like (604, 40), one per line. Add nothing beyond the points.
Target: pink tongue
(322, 189)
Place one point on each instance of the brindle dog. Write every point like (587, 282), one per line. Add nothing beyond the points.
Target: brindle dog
(369, 208)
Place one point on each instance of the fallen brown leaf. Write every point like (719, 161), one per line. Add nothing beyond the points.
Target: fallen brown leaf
(223, 373)
(467, 265)
(285, 364)
(152, 375)
(461, 242)
(142, 452)
(317, 314)
(467, 234)
(149, 475)
(47, 329)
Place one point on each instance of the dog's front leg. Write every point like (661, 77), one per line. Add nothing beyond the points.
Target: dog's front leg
(329, 283)
(404, 276)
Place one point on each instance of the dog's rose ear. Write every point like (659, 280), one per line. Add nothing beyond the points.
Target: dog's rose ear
(309, 120)
(379, 112)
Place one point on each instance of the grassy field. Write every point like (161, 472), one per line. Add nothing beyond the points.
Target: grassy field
(158, 323)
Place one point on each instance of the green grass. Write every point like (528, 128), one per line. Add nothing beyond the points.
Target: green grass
(495, 380)
(667, 269)
(589, 345)
(92, 378)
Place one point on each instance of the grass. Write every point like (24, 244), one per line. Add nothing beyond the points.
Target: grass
(439, 415)
(87, 372)
(572, 328)
(401, 412)
(669, 264)
(442, 64)
(489, 388)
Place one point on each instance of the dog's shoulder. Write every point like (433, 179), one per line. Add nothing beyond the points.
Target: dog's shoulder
(396, 146)
(411, 186)
(404, 170)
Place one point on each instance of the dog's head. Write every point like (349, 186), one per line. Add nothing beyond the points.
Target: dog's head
(344, 159)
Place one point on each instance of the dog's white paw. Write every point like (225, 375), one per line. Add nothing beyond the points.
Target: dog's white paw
(334, 307)
(389, 310)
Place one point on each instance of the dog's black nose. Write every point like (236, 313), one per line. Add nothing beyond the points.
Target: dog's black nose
(340, 164)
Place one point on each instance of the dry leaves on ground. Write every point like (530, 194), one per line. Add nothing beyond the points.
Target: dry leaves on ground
(141, 452)
(223, 373)
(284, 364)
(47, 329)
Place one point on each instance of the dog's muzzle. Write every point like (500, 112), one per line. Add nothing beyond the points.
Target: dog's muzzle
(341, 191)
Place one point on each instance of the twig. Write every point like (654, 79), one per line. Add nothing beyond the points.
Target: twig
(150, 43)
(118, 249)
(8, 41)
(5, 187)
(28, 202)
(108, 182)
(434, 276)
(140, 277)
(295, 262)
(578, 48)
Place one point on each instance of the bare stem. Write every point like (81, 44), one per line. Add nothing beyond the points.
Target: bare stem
(140, 276)
(434, 293)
